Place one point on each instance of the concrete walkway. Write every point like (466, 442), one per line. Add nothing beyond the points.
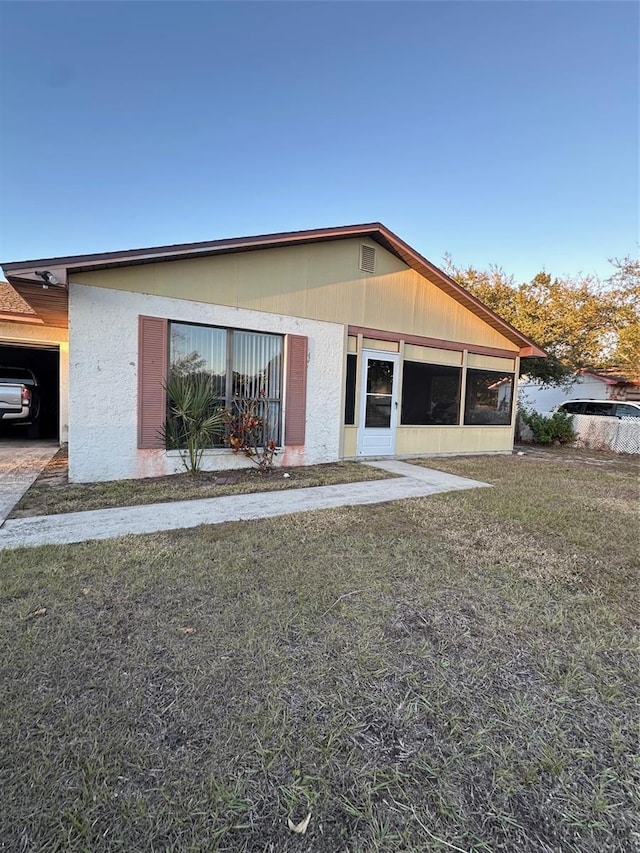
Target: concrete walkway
(413, 482)
(20, 464)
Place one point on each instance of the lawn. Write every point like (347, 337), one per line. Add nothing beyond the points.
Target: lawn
(52, 492)
(458, 672)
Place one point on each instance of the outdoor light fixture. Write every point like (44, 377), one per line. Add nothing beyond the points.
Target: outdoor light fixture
(48, 278)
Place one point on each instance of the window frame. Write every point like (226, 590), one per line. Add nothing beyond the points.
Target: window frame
(499, 374)
(229, 396)
(436, 365)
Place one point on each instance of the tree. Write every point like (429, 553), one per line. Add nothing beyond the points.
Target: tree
(625, 288)
(572, 318)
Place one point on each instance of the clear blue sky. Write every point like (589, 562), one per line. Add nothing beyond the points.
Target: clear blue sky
(501, 132)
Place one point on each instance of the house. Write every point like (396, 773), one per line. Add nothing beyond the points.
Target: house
(361, 346)
(605, 384)
(28, 339)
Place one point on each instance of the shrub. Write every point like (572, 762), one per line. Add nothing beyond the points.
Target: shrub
(193, 422)
(557, 428)
(248, 432)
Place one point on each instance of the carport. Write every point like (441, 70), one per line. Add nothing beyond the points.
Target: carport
(44, 361)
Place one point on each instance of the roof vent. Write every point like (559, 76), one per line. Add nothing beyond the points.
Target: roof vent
(367, 258)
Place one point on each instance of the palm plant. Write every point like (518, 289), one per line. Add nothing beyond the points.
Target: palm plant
(193, 422)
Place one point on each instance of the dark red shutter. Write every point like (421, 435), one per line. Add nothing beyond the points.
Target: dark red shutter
(296, 400)
(152, 376)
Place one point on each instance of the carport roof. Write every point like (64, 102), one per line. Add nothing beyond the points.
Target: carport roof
(27, 278)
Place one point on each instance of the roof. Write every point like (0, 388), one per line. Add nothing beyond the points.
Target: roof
(11, 302)
(611, 376)
(23, 275)
(13, 306)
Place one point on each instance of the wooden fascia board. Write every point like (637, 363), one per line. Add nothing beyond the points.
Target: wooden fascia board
(180, 250)
(532, 352)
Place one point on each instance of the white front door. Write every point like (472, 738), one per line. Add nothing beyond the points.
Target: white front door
(378, 403)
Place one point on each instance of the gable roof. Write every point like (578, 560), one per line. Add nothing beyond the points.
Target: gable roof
(23, 275)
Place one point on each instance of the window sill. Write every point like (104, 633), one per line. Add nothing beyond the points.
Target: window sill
(210, 452)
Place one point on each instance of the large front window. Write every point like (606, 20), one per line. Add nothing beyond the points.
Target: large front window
(239, 365)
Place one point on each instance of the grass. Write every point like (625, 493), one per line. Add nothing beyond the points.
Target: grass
(457, 672)
(52, 493)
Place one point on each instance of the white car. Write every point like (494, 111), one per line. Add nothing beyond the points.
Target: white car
(601, 408)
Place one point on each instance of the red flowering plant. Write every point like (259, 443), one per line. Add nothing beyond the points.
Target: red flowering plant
(247, 432)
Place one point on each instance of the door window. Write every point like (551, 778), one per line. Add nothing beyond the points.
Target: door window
(379, 393)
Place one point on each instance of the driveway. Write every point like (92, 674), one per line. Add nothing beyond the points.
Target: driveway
(20, 464)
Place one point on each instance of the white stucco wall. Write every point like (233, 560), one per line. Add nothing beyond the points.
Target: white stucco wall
(544, 398)
(26, 333)
(103, 379)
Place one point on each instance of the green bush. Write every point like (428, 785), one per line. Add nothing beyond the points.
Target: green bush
(193, 421)
(558, 428)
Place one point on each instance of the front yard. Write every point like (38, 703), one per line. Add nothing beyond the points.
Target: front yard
(52, 493)
(458, 672)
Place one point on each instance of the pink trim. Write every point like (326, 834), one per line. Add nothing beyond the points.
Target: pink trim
(437, 343)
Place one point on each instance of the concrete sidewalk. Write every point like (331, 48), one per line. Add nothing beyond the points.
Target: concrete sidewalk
(413, 482)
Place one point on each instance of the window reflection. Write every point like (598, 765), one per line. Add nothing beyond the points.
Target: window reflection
(380, 376)
(430, 393)
(239, 365)
(378, 411)
(489, 398)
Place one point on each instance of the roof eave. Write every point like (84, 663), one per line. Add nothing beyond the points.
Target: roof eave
(24, 272)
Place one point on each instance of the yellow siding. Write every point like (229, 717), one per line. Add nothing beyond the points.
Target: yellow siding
(432, 355)
(352, 343)
(350, 439)
(385, 346)
(320, 281)
(453, 439)
(490, 362)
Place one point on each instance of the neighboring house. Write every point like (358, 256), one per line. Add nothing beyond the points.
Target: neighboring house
(27, 339)
(607, 384)
(361, 346)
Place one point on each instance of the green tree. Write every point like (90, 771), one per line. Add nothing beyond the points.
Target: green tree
(574, 318)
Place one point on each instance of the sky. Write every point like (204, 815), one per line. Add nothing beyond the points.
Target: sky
(499, 132)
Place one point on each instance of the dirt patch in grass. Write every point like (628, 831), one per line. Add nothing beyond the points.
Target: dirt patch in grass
(52, 493)
(453, 672)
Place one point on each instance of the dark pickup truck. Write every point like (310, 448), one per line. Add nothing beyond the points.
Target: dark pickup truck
(19, 399)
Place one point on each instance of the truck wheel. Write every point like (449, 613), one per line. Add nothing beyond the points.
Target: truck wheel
(33, 430)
